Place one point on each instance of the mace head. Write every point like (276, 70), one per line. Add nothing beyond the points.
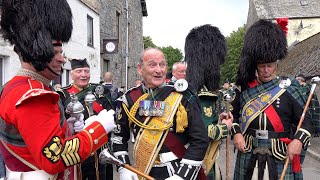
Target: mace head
(89, 98)
(74, 107)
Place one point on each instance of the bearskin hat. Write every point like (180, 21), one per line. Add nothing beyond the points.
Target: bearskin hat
(264, 42)
(205, 51)
(31, 25)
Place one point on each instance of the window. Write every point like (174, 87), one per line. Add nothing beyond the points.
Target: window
(117, 25)
(90, 31)
(67, 76)
(2, 71)
(106, 65)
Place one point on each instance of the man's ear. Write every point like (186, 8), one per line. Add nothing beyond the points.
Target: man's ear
(139, 67)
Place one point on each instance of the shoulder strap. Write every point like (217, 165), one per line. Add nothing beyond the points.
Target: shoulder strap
(6, 89)
(18, 157)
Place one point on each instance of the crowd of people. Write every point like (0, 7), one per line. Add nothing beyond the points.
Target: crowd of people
(176, 123)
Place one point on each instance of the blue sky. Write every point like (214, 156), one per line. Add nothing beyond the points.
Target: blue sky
(169, 21)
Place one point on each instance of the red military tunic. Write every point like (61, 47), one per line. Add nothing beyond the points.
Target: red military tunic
(32, 108)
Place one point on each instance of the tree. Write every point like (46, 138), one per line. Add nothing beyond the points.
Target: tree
(172, 55)
(147, 42)
(234, 44)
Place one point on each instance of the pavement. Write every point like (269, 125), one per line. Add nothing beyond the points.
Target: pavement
(314, 148)
(310, 166)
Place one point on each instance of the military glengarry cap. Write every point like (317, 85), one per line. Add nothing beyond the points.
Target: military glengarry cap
(79, 63)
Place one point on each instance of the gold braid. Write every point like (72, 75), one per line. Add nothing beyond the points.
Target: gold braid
(133, 112)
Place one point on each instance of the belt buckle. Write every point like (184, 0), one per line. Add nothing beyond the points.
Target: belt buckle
(262, 134)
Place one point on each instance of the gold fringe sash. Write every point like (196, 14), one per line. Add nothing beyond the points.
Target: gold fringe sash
(149, 141)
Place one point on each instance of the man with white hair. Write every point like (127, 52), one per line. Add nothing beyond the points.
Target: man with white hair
(179, 71)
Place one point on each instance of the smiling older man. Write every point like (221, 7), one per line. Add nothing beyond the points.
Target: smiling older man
(80, 74)
(164, 119)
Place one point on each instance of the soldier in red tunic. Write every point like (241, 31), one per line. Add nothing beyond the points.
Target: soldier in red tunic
(34, 136)
(101, 99)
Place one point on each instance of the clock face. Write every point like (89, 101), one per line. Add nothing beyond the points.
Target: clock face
(110, 46)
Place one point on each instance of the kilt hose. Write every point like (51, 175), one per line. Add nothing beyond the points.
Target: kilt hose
(243, 160)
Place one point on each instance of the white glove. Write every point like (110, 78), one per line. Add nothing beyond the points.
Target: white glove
(174, 177)
(106, 118)
(75, 123)
(126, 174)
(79, 124)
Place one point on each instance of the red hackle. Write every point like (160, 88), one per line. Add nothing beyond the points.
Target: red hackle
(283, 23)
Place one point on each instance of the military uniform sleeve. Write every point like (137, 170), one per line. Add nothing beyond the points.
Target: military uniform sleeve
(198, 138)
(304, 132)
(39, 125)
(236, 114)
(121, 134)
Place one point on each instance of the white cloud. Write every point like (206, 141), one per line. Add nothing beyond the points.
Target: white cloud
(169, 21)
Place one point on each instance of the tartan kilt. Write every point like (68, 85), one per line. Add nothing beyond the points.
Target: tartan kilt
(243, 160)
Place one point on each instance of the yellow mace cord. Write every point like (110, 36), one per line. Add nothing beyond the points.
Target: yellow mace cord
(133, 112)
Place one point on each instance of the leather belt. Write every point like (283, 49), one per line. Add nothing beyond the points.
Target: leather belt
(265, 134)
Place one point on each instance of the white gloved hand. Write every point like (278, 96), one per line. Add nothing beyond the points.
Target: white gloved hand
(126, 174)
(106, 118)
(75, 123)
(79, 124)
(174, 177)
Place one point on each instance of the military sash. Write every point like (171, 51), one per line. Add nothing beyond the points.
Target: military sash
(149, 142)
(254, 107)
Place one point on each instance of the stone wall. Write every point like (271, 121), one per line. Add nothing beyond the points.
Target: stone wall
(108, 17)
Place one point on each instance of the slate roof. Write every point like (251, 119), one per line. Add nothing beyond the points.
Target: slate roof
(304, 55)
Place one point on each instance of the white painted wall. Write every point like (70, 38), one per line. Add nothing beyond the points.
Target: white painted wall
(77, 46)
(11, 63)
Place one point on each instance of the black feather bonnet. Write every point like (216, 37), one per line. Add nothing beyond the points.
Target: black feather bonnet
(205, 51)
(31, 25)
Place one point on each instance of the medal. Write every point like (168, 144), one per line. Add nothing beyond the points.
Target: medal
(146, 108)
(181, 85)
(151, 108)
(141, 108)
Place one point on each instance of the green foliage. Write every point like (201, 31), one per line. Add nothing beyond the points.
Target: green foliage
(172, 55)
(234, 44)
(147, 42)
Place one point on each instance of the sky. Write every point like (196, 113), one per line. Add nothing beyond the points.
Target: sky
(169, 21)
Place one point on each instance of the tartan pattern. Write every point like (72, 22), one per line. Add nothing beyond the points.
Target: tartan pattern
(314, 107)
(2, 167)
(243, 160)
(254, 92)
(10, 134)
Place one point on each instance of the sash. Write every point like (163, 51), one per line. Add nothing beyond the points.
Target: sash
(80, 95)
(149, 142)
(254, 107)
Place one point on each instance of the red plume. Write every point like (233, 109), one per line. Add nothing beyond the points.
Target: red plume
(283, 23)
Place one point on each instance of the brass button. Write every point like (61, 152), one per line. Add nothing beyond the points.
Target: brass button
(91, 131)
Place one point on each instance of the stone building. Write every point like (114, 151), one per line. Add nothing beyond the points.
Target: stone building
(94, 22)
(121, 22)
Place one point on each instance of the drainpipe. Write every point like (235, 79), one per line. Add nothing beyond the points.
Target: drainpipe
(127, 42)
